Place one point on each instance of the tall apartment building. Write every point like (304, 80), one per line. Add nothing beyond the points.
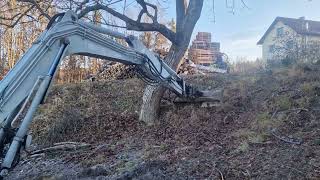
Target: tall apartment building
(203, 51)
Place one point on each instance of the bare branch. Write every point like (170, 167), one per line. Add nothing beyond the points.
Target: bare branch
(245, 4)
(130, 23)
(9, 18)
(140, 16)
(37, 6)
(144, 10)
(155, 17)
(81, 5)
(18, 19)
(105, 22)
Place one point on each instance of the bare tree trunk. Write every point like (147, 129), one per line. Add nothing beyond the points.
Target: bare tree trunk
(153, 94)
(151, 104)
(187, 16)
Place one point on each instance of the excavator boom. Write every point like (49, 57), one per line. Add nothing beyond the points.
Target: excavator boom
(70, 36)
(26, 85)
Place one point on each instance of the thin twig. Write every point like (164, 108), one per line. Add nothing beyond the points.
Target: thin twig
(221, 175)
(245, 4)
(299, 110)
(274, 114)
(61, 147)
(289, 140)
(95, 150)
(291, 168)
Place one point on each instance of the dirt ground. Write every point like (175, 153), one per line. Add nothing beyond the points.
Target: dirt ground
(267, 127)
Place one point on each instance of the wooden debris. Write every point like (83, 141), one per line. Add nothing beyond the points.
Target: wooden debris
(189, 68)
(209, 69)
(185, 68)
(65, 146)
(210, 104)
(285, 139)
(115, 71)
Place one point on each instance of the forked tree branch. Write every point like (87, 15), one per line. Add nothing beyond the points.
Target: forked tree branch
(187, 24)
(188, 13)
(144, 10)
(132, 24)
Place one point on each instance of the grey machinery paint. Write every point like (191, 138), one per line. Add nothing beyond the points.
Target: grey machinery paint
(34, 71)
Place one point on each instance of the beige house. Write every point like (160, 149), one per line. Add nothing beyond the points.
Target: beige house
(289, 36)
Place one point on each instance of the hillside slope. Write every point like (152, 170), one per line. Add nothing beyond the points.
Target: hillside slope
(266, 128)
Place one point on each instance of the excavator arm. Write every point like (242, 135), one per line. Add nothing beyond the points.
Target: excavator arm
(70, 36)
(27, 83)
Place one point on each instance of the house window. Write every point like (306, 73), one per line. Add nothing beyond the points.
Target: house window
(290, 44)
(280, 32)
(271, 48)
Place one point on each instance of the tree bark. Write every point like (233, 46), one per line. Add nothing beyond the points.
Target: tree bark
(187, 17)
(152, 94)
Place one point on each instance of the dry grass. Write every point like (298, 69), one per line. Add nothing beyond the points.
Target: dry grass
(248, 66)
(192, 141)
(84, 112)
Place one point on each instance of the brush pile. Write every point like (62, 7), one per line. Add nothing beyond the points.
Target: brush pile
(116, 71)
(186, 69)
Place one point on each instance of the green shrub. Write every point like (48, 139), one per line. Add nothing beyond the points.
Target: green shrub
(283, 103)
(243, 147)
(263, 122)
(307, 88)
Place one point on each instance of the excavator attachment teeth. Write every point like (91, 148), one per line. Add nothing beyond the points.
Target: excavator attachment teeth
(198, 96)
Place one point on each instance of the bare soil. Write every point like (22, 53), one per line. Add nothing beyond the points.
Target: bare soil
(267, 127)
